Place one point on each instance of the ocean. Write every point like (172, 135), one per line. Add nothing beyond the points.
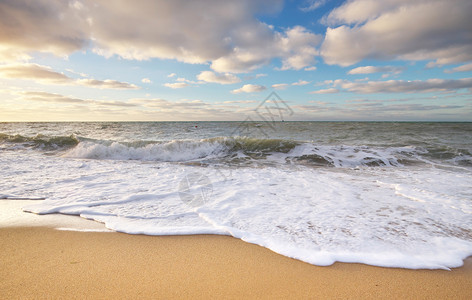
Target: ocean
(389, 194)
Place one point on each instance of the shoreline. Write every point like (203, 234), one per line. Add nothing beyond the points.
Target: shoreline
(44, 262)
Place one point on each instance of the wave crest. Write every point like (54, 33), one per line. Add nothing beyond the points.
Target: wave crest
(40, 141)
(240, 150)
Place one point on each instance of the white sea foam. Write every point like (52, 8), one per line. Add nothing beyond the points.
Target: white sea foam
(280, 151)
(394, 217)
(387, 200)
(164, 151)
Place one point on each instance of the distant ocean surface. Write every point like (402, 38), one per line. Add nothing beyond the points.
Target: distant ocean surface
(380, 193)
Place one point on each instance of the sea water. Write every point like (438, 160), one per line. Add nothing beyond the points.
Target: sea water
(386, 194)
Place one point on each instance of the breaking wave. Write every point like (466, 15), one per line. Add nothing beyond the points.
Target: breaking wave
(239, 150)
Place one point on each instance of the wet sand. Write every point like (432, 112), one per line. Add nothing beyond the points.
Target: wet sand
(40, 262)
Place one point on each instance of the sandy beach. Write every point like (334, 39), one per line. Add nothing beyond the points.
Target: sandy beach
(39, 262)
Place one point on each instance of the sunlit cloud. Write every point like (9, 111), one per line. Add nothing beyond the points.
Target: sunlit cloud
(301, 82)
(249, 88)
(311, 5)
(280, 86)
(313, 68)
(46, 75)
(402, 86)
(226, 78)
(410, 30)
(239, 42)
(176, 85)
(463, 68)
(41, 26)
(100, 50)
(326, 91)
(106, 84)
(33, 72)
(376, 69)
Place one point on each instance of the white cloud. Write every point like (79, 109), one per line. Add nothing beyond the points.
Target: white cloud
(57, 98)
(401, 86)
(326, 91)
(298, 48)
(310, 68)
(399, 29)
(50, 97)
(240, 102)
(301, 82)
(171, 75)
(295, 47)
(106, 84)
(33, 72)
(225, 78)
(249, 88)
(463, 68)
(77, 73)
(280, 86)
(379, 69)
(232, 40)
(53, 106)
(176, 85)
(41, 26)
(146, 80)
(188, 36)
(251, 77)
(46, 75)
(311, 5)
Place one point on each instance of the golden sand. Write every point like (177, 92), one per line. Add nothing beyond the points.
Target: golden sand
(46, 263)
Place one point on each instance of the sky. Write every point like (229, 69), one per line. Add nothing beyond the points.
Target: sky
(219, 60)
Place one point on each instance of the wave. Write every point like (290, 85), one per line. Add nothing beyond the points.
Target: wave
(241, 150)
(40, 141)
(183, 150)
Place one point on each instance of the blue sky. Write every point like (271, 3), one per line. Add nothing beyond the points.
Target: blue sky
(217, 60)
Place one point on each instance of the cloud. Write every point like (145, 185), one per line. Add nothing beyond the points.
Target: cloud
(295, 47)
(401, 86)
(106, 84)
(301, 82)
(226, 78)
(46, 26)
(46, 75)
(399, 29)
(251, 77)
(146, 80)
(182, 79)
(298, 48)
(463, 68)
(240, 102)
(188, 36)
(326, 91)
(50, 97)
(372, 69)
(33, 72)
(310, 69)
(57, 98)
(176, 85)
(280, 86)
(24, 106)
(171, 75)
(311, 5)
(77, 73)
(231, 40)
(249, 88)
